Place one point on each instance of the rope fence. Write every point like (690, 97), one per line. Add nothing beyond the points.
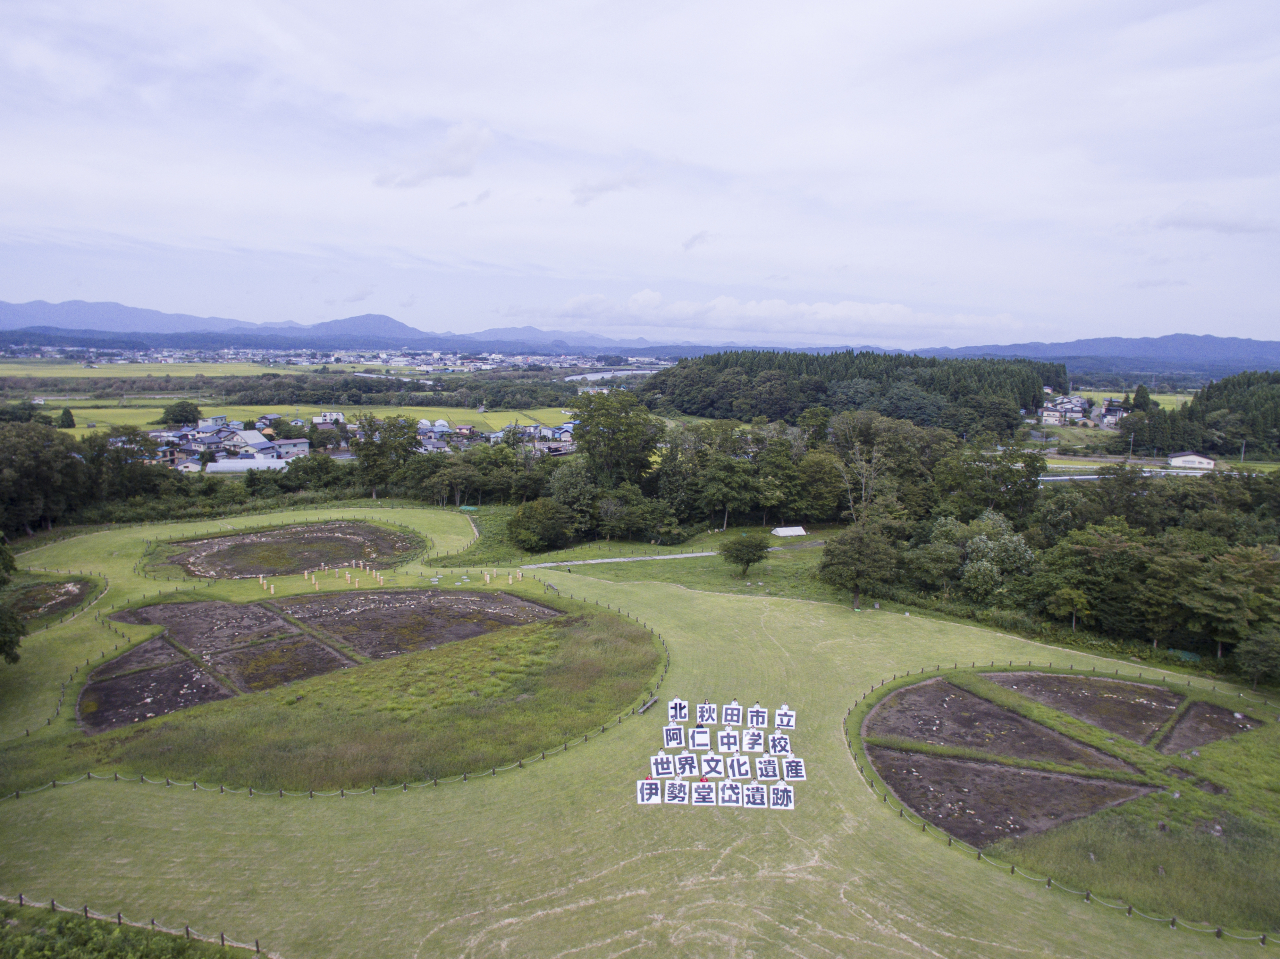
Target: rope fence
(122, 920)
(914, 820)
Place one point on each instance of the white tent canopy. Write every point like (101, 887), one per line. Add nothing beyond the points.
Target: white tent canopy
(789, 531)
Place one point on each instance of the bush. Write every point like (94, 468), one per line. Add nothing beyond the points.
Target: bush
(540, 525)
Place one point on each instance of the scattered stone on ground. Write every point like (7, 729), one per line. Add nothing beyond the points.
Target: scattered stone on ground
(1133, 710)
(135, 697)
(252, 647)
(983, 803)
(34, 600)
(381, 624)
(293, 549)
(266, 665)
(212, 626)
(937, 712)
(147, 655)
(1204, 723)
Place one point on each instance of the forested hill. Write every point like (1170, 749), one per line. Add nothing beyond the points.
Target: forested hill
(1244, 408)
(963, 395)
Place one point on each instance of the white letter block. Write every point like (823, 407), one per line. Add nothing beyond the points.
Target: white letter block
(673, 737)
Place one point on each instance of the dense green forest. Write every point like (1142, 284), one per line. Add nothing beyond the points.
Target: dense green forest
(964, 396)
(1237, 411)
(916, 514)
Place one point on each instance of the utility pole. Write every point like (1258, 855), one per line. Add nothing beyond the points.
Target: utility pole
(1242, 442)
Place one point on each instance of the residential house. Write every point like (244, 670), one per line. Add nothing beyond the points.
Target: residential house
(288, 448)
(330, 417)
(1111, 415)
(211, 423)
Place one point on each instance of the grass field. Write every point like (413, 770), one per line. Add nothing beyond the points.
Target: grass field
(1168, 401)
(557, 859)
(107, 416)
(36, 369)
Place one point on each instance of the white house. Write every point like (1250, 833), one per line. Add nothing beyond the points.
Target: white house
(1190, 460)
(244, 465)
(330, 417)
(1051, 417)
(211, 423)
(288, 448)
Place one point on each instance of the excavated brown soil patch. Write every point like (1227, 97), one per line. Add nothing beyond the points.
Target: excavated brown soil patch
(135, 697)
(1133, 710)
(206, 628)
(983, 803)
(33, 601)
(252, 647)
(938, 712)
(1204, 723)
(381, 624)
(152, 653)
(292, 549)
(266, 665)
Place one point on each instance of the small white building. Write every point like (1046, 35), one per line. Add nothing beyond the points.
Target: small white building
(243, 465)
(211, 423)
(1051, 417)
(1190, 460)
(330, 417)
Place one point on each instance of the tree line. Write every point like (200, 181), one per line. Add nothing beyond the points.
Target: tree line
(1237, 414)
(964, 395)
(918, 514)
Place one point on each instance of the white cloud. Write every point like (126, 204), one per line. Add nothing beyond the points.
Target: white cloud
(455, 157)
(584, 193)
(696, 240)
(976, 172)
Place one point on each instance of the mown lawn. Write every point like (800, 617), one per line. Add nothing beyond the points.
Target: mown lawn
(557, 858)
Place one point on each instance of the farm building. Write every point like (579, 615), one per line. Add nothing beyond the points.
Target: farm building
(1190, 460)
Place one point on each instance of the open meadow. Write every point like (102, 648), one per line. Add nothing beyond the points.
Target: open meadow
(553, 858)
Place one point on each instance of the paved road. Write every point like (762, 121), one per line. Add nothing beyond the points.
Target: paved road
(637, 559)
(620, 559)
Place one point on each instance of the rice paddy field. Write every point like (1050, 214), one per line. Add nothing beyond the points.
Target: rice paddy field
(37, 368)
(1168, 401)
(143, 414)
(553, 858)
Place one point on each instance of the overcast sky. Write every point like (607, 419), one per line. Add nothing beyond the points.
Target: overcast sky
(895, 173)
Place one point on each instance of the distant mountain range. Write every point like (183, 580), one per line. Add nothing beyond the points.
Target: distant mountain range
(112, 325)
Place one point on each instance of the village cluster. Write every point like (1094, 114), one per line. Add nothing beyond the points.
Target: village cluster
(234, 446)
(748, 763)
